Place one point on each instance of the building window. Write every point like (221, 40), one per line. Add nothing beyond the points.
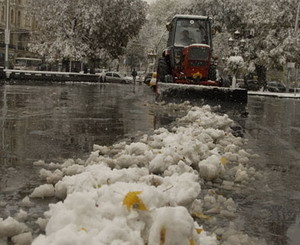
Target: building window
(2, 13)
(12, 16)
(27, 21)
(19, 18)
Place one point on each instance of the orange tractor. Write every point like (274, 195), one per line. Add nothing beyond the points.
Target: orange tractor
(188, 61)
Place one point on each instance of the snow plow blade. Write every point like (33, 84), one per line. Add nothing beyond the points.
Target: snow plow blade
(182, 92)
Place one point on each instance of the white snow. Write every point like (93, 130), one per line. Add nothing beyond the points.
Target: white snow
(22, 239)
(11, 227)
(21, 216)
(147, 192)
(26, 202)
(273, 94)
(46, 190)
(182, 87)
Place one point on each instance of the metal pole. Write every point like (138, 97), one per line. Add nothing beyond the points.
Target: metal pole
(70, 65)
(7, 33)
(233, 84)
(296, 81)
(297, 19)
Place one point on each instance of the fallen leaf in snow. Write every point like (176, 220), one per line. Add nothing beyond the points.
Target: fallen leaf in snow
(132, 200)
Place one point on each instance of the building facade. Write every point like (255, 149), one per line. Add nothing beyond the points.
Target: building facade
(21, 26)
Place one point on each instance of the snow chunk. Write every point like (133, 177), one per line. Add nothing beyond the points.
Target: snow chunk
(11, 227)
(42, 223)
(73, 169)
(21, 215)
(211, 168)
(241, 175)
(136, 148)
(22, 239)
(43, 191)
(26, 202)
(174, 224)
(182, 189)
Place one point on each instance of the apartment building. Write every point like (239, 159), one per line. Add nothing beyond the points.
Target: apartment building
(21, 26)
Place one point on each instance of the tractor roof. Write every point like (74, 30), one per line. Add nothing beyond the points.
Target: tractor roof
(186, 16)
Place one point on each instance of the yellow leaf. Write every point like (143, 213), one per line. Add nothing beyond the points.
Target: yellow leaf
(192, 242)
(162, 236)
(224, 160)
(82, 229)
(201, 215)
(132, 200)
(199, 230)
(197, 74)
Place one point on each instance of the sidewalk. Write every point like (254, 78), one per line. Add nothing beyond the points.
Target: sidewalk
(273, 94)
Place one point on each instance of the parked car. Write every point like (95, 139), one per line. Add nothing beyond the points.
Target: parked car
(25, 63)
(251, 84)
(114, 77)
(294, 87)
(152, 82)
(148, 78)
(275, 87)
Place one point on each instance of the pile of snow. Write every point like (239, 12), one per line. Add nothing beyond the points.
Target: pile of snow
(148, 192)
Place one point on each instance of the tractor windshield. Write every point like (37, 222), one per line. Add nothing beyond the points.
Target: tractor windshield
(192, 31)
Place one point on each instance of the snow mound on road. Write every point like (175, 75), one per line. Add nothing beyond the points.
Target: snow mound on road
(149, 192)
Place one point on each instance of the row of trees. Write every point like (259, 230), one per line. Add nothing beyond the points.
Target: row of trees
(273, 44)
(94, 29)
(85, 29)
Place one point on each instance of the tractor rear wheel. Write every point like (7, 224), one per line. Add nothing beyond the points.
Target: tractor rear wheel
(163, 69)
(212, 73)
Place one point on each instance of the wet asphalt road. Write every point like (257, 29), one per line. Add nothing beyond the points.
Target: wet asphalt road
(272, 208)
(54, 122)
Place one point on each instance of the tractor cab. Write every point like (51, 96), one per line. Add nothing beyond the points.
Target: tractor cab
(185, 30)
(188, 56)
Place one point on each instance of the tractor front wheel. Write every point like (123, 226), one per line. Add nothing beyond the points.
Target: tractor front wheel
(162, 70)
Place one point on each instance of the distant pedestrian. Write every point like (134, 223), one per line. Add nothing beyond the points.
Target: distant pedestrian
(134, 74)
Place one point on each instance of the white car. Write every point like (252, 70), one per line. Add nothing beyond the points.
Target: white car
(114, 77)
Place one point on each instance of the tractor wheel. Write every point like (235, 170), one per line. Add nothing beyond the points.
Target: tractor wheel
(212, 73)
(163, 69)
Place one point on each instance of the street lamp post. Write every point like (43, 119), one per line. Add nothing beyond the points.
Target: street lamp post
(237, 45)
(7, 33)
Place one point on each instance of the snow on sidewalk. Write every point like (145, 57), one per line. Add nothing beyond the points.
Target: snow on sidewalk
(274, 94)
(147, 192)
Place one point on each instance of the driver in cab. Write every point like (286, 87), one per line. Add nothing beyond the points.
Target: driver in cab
(186, 39)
